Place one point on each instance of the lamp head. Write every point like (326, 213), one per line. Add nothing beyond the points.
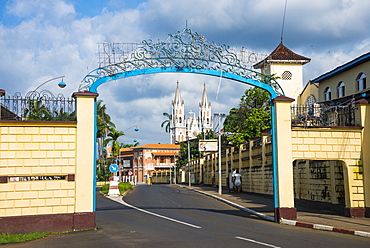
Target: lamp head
(62, 84)
(136, 129)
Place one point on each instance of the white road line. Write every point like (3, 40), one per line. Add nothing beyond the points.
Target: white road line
(257, 242)
(158, 215)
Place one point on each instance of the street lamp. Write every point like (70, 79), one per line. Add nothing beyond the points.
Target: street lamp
(220, 115)
(61, 84)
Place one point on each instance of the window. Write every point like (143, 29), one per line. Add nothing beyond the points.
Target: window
(361, 81)
(287, 75)
(310, 101)
(327, 94)
(341, 89)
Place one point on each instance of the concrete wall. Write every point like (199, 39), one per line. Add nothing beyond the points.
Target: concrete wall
(37, 149)
(319, 174)
(47, 172)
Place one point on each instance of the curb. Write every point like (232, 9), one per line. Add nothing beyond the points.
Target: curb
(285, 221)
(248, 210)
(324, 228)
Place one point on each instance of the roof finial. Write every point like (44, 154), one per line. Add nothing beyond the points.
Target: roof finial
(186, 24)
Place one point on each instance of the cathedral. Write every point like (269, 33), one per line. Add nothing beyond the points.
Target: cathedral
(182, 127)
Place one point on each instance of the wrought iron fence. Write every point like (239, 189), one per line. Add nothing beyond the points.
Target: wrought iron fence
(321, 115)
(40, 106)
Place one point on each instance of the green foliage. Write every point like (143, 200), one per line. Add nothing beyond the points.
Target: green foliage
(122, 187)
(105, 188)
(167, 123)
(114, 135)
(251, 117)
(102, 170)
(7, 238)
(37, 111)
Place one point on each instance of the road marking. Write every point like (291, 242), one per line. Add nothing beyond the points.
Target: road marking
(257, 242)
(158, 215)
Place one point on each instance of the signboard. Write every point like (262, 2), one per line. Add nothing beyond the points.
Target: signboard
(113, 168)
(126, 163)
(130, 173)
(208, 145)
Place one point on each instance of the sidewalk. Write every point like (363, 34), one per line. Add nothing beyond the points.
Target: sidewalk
(263, 207)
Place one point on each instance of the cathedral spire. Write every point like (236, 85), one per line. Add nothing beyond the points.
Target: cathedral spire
(204, 101)
(177, 98)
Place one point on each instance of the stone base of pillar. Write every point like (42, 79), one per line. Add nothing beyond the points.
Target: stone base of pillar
(355, 212)
(285, 213)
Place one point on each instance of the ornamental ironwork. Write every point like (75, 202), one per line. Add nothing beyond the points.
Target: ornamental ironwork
(185, 49)
(40, 106)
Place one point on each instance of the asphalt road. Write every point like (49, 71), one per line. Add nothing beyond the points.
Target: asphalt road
(172, 216)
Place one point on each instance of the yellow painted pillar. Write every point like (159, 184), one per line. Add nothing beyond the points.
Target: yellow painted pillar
(364, 107)
(284, 156)
(85, 151)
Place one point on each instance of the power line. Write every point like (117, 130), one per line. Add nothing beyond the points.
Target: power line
(282, 27)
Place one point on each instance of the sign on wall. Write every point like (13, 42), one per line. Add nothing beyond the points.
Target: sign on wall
(208, 145)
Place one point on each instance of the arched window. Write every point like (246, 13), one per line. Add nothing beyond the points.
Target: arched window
(361, 81)
(207, 120)
(341, 89)
(180, 120)
(327, 94)
(287, 75)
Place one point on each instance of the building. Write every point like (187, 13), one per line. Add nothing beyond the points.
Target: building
(288, 66)
(138, 163)
(182, 127)
(341, 85)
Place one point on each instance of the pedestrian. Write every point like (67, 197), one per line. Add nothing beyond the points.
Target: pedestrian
(233, 179)
(238, 181)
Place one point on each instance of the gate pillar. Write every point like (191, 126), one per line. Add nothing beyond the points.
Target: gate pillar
(85, 152)
(284, 182)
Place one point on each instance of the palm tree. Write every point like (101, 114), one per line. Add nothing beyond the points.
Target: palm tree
(37, 111)
(103, 124)
(167, 123)
(113, 139)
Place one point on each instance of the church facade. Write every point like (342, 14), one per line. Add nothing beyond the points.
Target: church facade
(188, 127)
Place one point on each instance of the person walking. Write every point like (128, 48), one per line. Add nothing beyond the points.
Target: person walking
(237, 181)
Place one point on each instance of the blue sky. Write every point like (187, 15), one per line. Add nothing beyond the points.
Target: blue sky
(42, 39)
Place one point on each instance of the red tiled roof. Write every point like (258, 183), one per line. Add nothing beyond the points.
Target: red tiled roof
(282, 53)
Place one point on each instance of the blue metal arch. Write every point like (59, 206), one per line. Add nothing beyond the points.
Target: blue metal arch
(227, 75)
(209, 72)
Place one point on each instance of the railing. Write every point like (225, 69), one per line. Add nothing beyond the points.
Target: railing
(40, 106)
(320, 115)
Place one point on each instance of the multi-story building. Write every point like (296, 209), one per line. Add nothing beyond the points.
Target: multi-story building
(138, 163)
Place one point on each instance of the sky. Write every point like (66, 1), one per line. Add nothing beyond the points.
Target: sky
(43, 39)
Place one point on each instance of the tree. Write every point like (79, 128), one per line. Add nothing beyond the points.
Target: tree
(37, 111)
(251, 117)
(103, 124)
(114, 135)
(167, 122)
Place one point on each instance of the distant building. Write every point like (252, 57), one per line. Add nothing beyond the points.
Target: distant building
(183, 127)
(138, 163)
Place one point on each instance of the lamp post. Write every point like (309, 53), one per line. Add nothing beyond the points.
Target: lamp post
(220, 115)
(61, 84)
(136, 129)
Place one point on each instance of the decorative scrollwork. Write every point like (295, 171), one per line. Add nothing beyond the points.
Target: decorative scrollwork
(183, 49)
